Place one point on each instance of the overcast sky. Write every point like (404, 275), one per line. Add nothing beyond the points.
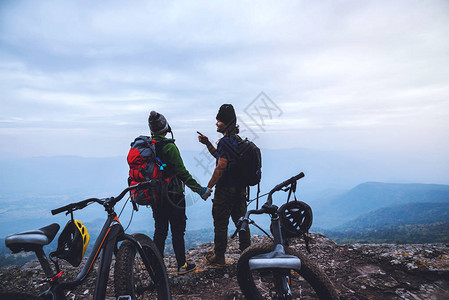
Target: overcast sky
(80, 77)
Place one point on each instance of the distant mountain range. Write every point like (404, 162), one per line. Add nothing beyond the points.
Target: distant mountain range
(406, 223)
(31, 187)
(370, 196)
(327, 172)
(389, 213)
(399, 215)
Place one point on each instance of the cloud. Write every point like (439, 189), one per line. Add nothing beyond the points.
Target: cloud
(333, 67)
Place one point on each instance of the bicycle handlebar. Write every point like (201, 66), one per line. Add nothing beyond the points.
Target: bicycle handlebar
(74, 206)
(268, 206)
(282, 185)
(245, 221)
(114, 200)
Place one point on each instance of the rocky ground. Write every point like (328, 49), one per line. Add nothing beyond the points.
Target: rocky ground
(357, 271)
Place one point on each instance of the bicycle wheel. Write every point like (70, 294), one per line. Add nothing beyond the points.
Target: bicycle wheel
(131, 278)
(308, 283)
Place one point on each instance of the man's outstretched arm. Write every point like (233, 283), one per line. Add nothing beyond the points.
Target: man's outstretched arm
(205, 140)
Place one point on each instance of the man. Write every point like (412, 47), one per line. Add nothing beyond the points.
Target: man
(230, 196)
(173, 207)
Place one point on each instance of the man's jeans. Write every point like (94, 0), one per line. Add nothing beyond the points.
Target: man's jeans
(228, 202)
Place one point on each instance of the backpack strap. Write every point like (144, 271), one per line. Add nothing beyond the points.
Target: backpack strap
(248, 199)
(143, 138)
(159, 145)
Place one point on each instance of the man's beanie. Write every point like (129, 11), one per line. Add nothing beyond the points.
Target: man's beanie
(158, 124)
(226, 114)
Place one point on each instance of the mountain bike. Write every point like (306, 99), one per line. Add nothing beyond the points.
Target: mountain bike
(139, 269)
(273, 270)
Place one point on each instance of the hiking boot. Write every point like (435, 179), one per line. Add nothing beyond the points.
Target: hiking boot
(186, 268)
(217, 260)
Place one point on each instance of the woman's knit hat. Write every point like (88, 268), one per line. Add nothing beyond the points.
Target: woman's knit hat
(158, 124)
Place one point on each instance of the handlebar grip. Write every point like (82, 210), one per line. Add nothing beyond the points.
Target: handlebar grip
(287, 182)
(132, 187)
(74, 206)
(299, 176)
(61, 209)
(244, 226)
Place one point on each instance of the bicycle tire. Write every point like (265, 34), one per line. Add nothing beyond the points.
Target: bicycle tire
(313, 285)
(131, 278)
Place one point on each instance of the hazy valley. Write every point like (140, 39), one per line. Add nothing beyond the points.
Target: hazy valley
(369, 202)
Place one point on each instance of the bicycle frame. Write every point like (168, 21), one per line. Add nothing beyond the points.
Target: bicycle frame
(277, 259)
(106, 243)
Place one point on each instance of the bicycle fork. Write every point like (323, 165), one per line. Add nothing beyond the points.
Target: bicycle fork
(278, 261)
(145, 258)
(282, 286)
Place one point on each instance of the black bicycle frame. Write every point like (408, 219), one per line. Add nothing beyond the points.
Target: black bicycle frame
(275, 222)
(106, 243)
(282, 280)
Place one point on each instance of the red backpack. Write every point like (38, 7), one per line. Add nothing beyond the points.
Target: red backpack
(145, 165)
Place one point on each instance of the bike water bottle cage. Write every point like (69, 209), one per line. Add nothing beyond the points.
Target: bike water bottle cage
(72, 243)
(296, 218)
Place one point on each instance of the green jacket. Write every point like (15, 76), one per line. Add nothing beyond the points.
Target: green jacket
(171, 156)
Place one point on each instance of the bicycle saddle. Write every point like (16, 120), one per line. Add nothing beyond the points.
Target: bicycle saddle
(276, 259)
(29, 240)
